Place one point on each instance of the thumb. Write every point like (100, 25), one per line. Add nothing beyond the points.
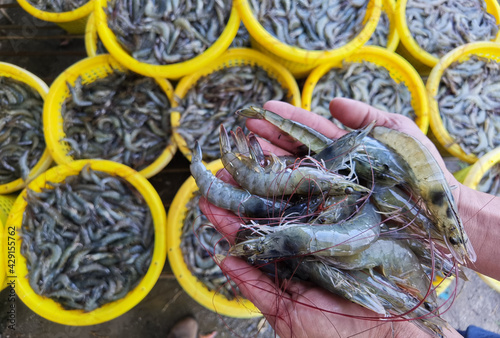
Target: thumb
(356, 115)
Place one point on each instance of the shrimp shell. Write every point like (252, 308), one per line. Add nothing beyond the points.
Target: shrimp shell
(397, 261)
(427, 179)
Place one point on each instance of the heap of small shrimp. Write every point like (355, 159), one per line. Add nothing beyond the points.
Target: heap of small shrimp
(365, 216)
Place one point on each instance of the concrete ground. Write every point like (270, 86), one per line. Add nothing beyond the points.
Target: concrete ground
(46, 50)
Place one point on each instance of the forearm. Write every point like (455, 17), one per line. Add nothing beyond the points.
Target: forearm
(480, 214)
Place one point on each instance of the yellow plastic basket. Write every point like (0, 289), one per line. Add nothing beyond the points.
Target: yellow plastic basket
(172, 71)
(6, 203)
(490, 50)
(420, 57)
(91, 36)
(48, 308)
(89, 69)
(73, 22)
(212, 300)
(234, 57)
(481, 167)
(389, 6)
(399, 69)
(19, 74)
(300, 61)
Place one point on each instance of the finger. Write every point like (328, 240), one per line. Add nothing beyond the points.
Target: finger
(300, 305)
(356, 114)
(254, 285)
(226, 222)
(268, 147)
(283, 140)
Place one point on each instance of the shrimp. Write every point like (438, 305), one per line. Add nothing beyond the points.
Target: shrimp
(336, 281)
(341, 239)
(298, 180)
(397, 262)
(326, 276)
(427, 179)
(229, 197)
(399, 302)
(311, 138)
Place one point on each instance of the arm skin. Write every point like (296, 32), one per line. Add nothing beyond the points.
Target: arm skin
(289, 311)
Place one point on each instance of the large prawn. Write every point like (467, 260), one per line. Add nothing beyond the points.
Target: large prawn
(426, 179)
(399, 302)
(397, 263)
(341, 239)
(301, 180)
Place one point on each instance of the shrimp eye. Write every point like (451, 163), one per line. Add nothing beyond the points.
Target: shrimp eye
(428, 306)
(454, 241)
(349, 190)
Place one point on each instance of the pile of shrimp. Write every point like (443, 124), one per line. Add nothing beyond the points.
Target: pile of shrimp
(369, 216)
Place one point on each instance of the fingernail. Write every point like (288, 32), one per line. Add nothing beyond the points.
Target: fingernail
(218, 258)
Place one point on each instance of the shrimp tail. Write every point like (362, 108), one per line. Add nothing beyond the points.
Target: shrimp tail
(340, 283)
(314, 140)
(251, 113)
(256, 151)
(196, 154)
(224, 143)
(240, 141)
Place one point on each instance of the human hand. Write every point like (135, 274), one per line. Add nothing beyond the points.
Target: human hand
(300, 309)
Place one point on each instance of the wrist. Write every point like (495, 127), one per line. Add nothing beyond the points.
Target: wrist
(481, 221)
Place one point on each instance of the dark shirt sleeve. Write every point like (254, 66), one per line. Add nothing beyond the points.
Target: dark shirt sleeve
(477, 332)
